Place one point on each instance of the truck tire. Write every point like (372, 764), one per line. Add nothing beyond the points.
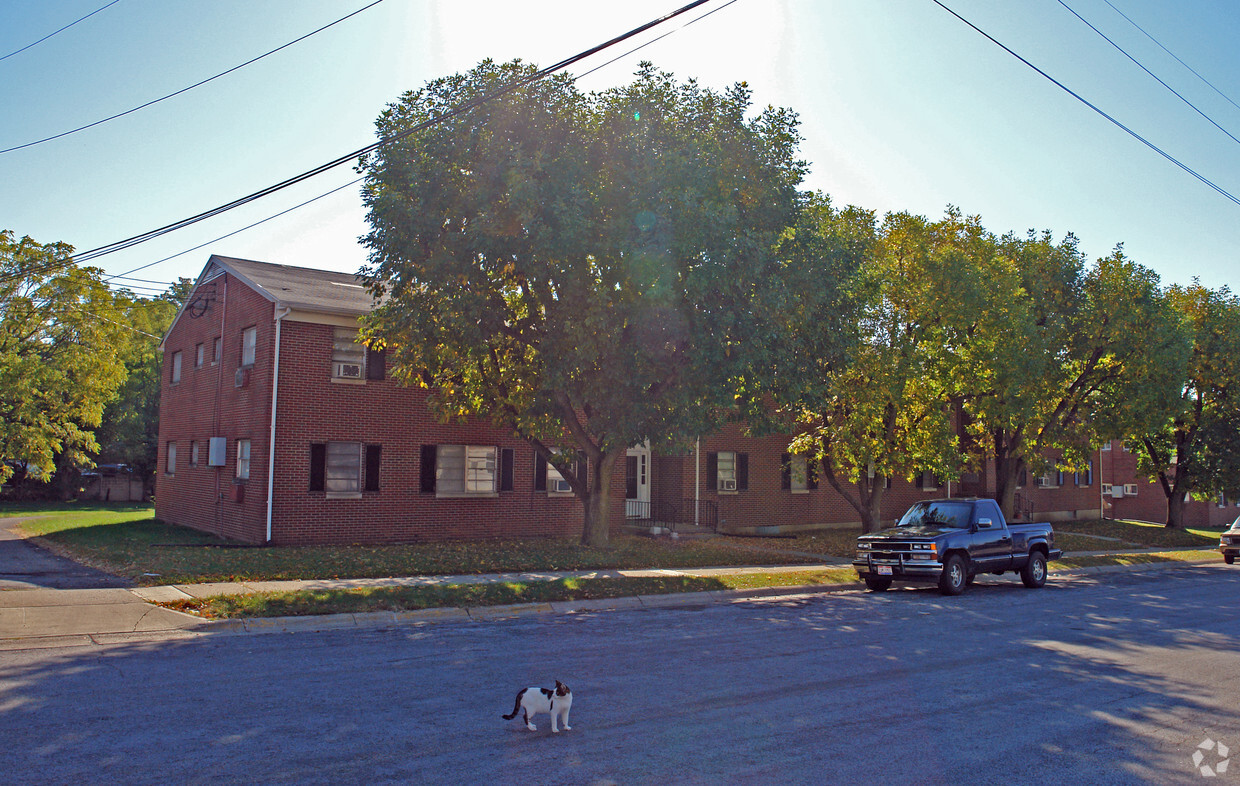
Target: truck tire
(877, 584)
(955, 575)
(1034, 572)
(1229, 558)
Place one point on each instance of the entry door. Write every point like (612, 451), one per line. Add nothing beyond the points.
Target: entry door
(637, 483)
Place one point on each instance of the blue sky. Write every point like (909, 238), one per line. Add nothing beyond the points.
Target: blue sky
(903, 107)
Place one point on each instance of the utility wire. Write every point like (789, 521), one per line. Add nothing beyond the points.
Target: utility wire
(349, 157)
(61, 30)
(360, 179)
(1173, 54)
(1148, 71)
(114, 322)
(186, 89)
(1223, 192)
(234, 232)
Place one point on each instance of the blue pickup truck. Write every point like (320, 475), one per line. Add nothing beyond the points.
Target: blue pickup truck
(949, 541)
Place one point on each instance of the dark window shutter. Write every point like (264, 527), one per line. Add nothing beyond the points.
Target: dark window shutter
(1023, 479)
(318, 465)
(712, 471)
(742, 471)
(540, 472)
(506, 459)
(811, 472)
(630, 477)
(428, 469)
(376, 363)
(371, 478)
(785, 471)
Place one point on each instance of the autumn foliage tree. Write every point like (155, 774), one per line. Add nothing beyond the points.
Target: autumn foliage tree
(587, 270)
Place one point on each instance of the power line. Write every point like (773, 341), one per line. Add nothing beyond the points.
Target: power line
(360, 179)
(1148, 71)
(349, 157)
(1223, 192)
(61, 30)
(1173, 54)
(114, 322)
(187, 89)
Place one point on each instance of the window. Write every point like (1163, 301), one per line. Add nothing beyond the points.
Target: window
(217, 350)
(465, 469)
(199, 356)
(348, 356)
(1088, 478)
(243, 459)
(928, 481)
(1022, 479)
(549, 479)
(344, 469)
(170, 463)
(728, 471)
(193, 453)
(176, 367)
(798, 474)
(1106, 488)
(1106, 445)
(1130, 489)
(249, 340)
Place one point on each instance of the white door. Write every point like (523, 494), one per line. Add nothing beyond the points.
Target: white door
(637, 483)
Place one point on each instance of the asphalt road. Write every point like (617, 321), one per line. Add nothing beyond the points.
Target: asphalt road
(1111, 678)
(24, 566)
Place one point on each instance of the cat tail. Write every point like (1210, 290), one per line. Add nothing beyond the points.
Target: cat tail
(516, 707)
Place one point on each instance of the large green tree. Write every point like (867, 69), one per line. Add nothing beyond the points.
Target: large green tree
(59, 365)
(1192, 448)
(587, 270)
(1063, 354)
(863, 381)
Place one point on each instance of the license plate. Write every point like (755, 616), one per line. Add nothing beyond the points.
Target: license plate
(883, 570)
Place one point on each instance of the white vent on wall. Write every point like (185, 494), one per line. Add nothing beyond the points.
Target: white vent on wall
(727, 485)
(349, 370)
(215, 452)
(1117, 491)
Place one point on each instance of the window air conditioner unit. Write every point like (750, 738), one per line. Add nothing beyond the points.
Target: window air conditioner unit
(1044, 481)
(1117, 491)
(727, 485)
(241, 378)
(1130, 489)
(349, 370)
(560, 486)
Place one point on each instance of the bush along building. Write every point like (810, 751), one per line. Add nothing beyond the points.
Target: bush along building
(276, 426)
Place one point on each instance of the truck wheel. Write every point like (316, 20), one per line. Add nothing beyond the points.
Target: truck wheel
(955, 576)
(877, 585)
(1229, 558)
(1034, 572)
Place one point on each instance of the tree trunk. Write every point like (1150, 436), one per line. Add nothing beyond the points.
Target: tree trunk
(597, 501)
(1175, 509)
(872, 510)
(1007, 470)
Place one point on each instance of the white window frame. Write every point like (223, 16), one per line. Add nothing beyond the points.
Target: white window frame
(346, 353)
(170, 458)
(193, 453)
(798, 474)
(249, 345)
(478, 468)
(1130, 489)
(344, 464)
(217, 349)
(176, 367)
(199, 355)
(243, 459)
(725, 472)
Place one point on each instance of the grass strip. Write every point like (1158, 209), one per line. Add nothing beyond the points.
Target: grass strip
(348, 601)
(1145, 558)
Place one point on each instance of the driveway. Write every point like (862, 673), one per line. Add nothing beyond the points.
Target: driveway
(43, 596)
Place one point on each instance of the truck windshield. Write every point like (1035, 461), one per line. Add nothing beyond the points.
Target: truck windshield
(938, 514)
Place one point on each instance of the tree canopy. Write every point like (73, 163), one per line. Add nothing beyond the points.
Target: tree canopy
(588, 270)
(59, 366)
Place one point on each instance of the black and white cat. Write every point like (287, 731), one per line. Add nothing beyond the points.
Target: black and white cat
(556, 703)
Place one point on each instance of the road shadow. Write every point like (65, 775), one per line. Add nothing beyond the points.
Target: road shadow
(26, 565)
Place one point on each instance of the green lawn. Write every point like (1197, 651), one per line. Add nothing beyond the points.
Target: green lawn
(128, 541)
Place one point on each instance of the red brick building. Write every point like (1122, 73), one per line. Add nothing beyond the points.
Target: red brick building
(276, 426)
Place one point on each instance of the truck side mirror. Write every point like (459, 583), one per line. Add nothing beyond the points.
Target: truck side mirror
(985, 523)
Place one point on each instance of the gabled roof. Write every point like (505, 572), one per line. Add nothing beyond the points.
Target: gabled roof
(301, 289)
